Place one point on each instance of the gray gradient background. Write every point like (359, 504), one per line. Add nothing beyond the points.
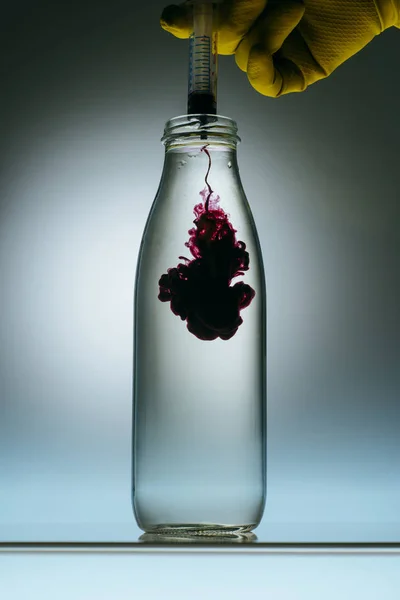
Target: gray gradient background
(86, 90)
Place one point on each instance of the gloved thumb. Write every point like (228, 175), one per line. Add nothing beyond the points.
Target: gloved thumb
(177, 19)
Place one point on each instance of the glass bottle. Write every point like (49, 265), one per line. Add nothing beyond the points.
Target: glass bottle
(199, 418)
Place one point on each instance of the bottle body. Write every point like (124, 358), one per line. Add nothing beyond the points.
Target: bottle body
(199, 418)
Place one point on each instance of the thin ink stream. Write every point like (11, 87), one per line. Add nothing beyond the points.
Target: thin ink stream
(210, 191)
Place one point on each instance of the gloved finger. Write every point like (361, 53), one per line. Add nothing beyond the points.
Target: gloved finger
(273, 78)
(270, 32)
(235, 18)
(291, 69)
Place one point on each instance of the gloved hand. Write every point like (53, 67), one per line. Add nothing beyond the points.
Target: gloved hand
(286, 45)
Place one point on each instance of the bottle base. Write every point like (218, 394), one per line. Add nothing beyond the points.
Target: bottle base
(199, 530)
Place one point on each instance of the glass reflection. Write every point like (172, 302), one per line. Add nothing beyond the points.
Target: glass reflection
(228, 537)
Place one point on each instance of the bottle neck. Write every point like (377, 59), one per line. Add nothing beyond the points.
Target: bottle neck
(194, 168)
(192, 149)
(192, 133)
(194, 144)
(199, 145)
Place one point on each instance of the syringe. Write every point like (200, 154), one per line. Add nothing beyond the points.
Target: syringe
(203, 58)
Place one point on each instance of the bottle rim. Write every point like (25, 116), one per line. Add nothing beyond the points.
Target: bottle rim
(191, 128)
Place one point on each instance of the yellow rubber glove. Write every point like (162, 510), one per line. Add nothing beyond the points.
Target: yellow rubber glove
(286, 45)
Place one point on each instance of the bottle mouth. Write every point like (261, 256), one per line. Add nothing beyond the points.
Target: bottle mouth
(200, 129)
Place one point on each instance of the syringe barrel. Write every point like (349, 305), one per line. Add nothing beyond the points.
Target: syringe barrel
(203, 59)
